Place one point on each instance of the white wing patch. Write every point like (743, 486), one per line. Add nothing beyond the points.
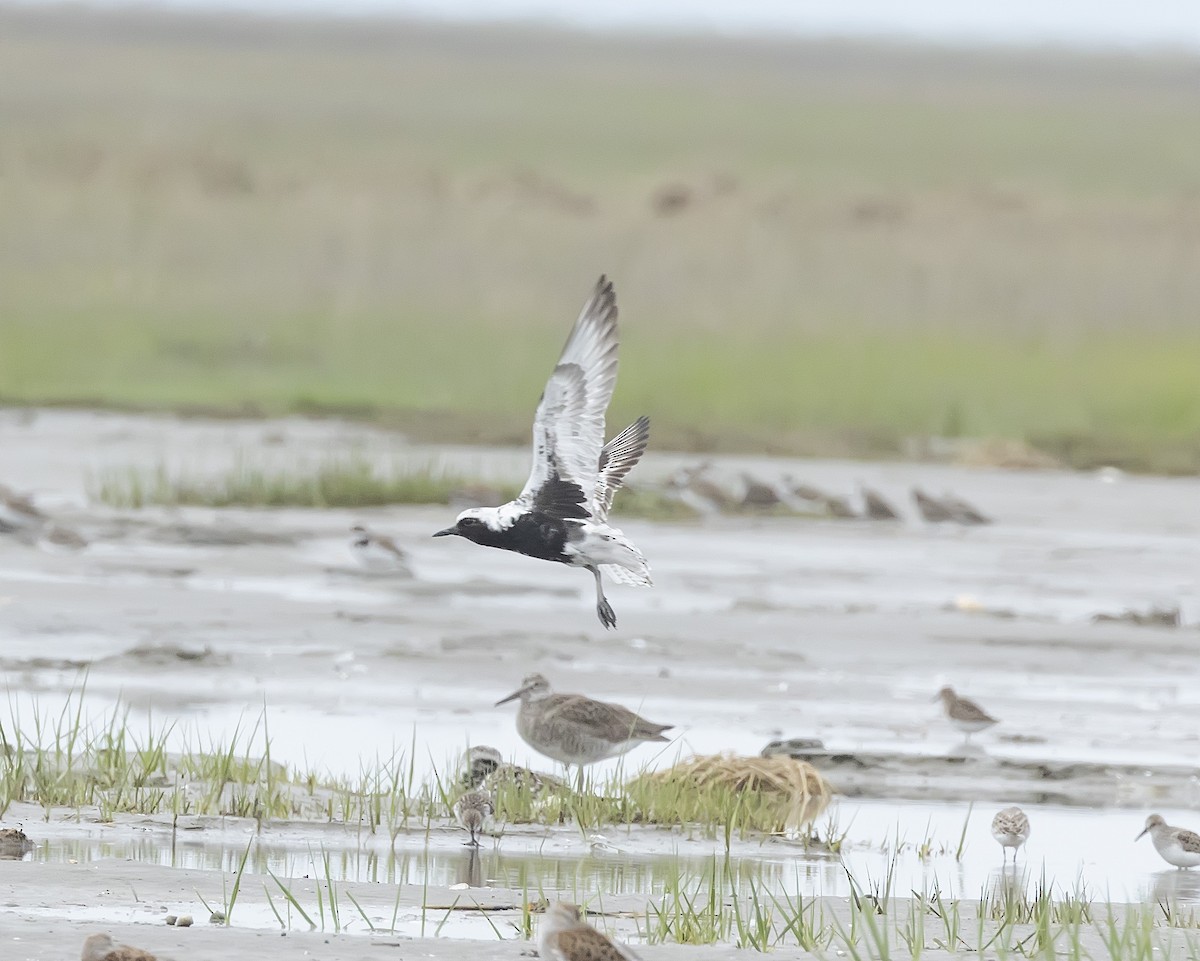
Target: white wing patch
(617, 460)
(568, 429)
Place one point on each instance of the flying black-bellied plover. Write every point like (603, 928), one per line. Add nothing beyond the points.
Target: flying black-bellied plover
(1010, 828)
(562, 513)
(563, 935)
(574, 729)
(964, 713)
(1177, 846)
(101, 947)
(378, 553)
(471, 810)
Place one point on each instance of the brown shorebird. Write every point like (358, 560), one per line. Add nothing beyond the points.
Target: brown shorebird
(700, 493)
(964, 512)
(758, 494)
(378, 553)
(1177, 846)
(563, 935)
(471, 810)
(877, 508)
(573, 729)
(1011, 828)
(101, 947)
(930, 508)
(17, 512)
(964, 713)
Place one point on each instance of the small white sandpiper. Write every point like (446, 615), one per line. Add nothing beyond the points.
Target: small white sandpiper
(378, 553)
(1177, 846)
(1010, 828)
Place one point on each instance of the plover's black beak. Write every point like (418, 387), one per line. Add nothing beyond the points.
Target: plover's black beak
(446, 532)
(1139, 837)
(512, 697)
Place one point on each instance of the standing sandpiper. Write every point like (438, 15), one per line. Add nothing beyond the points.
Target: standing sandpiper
(1177, 846)
(1011, 828)
(100, 947)
(574, 729)
(964, 713)
(563, 935)
(471, 810)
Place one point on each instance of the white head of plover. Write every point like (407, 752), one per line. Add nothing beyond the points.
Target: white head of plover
(562, 513)
(574, 729)
(964, 713)
(1010, 828)
(563, 935)
(1177, 846)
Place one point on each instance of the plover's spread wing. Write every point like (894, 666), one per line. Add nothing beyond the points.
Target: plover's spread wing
(616, 460)
(568, 429)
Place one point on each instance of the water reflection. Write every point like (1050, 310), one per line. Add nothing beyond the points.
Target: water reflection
(1176, 885)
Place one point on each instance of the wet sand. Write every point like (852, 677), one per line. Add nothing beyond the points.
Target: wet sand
(757, 628)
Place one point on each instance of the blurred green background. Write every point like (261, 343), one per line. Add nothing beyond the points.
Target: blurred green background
(818, 247)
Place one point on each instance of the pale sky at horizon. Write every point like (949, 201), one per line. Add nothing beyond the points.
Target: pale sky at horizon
(1076, 23)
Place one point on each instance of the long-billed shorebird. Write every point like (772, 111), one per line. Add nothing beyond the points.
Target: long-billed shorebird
(471, 811)
(1177, 846)
(562, 513)
(573, 729)
(17, 512)
(1010, 828)
(563, 935)
(964, 713)
(101, 947)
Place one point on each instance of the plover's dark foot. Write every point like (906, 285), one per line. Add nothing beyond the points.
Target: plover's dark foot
(607, 615)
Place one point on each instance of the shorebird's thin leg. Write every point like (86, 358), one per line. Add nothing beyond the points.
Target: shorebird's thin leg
(603, 609)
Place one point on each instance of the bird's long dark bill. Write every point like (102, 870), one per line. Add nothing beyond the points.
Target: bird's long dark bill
(1139, 837)
(448, 531)
(512, 697)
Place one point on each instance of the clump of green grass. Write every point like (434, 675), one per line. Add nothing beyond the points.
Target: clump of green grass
(335, 483)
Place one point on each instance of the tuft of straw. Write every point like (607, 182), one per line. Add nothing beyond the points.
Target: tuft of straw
(791, 791)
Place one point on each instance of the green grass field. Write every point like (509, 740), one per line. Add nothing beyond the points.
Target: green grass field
(817, 247)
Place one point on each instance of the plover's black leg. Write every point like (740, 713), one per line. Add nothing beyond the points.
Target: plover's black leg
(604, 611)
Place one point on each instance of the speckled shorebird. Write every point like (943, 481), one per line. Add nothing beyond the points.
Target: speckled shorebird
(14, 844)
(471, 810)
(563, 935)
(1010, 828)
(964, 713)
(574, 729)
(1177, 846)
(486, 768)
(101, 947)
(378, 553)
